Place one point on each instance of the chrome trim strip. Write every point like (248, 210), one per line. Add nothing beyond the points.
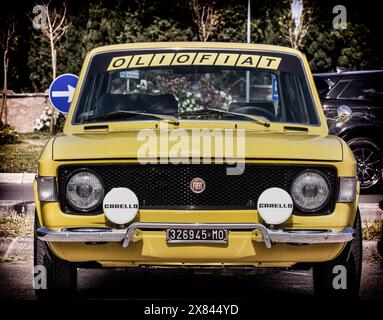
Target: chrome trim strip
(66, 235)
(269, 237)
(311, 237)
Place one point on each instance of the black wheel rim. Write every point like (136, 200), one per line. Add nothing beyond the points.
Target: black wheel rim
(368, 165)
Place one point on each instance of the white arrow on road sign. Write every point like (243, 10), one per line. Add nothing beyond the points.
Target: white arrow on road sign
(61, 94)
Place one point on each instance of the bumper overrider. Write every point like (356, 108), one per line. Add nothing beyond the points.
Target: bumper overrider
(260, 233)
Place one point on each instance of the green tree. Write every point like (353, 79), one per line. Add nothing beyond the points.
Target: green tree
(233, 23)
(319, 48)
(40, 66)
(167, 30)
(354, 48)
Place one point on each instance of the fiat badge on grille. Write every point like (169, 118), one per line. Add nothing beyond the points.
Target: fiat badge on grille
(197, 185)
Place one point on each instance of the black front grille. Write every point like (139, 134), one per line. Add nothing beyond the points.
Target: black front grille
(167, 186)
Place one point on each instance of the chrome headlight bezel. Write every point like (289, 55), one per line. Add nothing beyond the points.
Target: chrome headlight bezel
(95, 205)
(325, 202)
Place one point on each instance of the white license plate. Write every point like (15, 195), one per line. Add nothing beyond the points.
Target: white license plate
(192, 235)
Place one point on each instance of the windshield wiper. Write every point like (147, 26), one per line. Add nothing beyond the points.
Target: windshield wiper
(127, 114)
(208, 111)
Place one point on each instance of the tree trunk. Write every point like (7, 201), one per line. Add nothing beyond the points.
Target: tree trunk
(5, 89)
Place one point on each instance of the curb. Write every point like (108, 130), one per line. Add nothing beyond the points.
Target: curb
(369, 206)
(19, 178)
(370, 212)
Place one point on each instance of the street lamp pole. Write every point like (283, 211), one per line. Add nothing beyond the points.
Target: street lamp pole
(248, 21)
(248, 41)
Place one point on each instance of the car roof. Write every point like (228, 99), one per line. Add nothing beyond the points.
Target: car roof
(195, 45)
(344, 74)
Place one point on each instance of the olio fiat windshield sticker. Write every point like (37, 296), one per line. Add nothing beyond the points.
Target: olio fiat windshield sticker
(194, 59)
(222, 59)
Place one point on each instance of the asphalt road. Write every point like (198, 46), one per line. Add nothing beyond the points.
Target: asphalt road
(264, 284)
(24, 192)
(16, 283)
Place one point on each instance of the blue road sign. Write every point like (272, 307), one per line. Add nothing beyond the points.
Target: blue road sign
(61, 91)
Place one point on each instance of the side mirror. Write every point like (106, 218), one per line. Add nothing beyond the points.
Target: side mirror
(344, 113)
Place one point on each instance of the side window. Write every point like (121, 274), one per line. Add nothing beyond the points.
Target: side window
(297, 105)
(364, 89)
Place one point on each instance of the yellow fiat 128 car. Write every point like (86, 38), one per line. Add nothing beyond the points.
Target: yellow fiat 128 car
(197, 155)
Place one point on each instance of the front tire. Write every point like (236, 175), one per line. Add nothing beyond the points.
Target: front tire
(54, 277)
(350, 260)
(380, 246)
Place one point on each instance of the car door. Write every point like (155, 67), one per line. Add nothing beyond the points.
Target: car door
(364, 96)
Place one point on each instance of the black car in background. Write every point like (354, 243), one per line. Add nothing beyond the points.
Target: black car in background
(380, 242)
(362, 92)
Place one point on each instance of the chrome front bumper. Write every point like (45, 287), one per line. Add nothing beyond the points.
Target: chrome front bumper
(260, 233)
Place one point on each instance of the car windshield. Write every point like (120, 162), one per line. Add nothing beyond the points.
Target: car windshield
(118, 91)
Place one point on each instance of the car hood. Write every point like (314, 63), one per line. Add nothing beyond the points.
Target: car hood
(129, 145)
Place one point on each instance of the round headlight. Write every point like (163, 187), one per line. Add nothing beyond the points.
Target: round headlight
(84, 191)
(310, 191)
